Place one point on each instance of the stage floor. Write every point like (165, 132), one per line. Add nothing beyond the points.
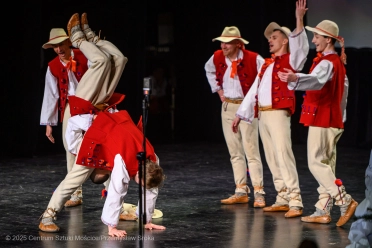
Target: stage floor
(198, 176)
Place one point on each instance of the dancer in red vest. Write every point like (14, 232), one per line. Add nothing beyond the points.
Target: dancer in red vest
(111, 143)
(96, 87)
(61, 80)
(231, 72)
(274, 103)
(324, 112)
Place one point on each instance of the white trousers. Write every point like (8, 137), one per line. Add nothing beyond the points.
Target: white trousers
(275, 132)
(321, 156)
(243, 146)
(100, 80)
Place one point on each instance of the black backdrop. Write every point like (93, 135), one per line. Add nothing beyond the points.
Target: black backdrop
(136, 27)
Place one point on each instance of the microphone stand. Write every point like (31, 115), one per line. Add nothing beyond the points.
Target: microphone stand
(141, 156)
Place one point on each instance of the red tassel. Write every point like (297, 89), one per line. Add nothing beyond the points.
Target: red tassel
(103, 193)
(338, 182)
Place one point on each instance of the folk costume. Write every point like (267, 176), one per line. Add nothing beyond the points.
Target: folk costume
(236, 78)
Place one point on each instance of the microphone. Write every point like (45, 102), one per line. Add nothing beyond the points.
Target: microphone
(147, 84)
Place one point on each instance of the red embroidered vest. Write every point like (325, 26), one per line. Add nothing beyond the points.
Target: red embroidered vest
(282, 97)
(322, 108)
(60, 72)
(112, 134)
(247, 69)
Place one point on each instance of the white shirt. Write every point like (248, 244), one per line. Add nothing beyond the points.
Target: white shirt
(49, 109)
(231, 86)
(74, 130)
(321, 74)
(118, 189)
(299, 47)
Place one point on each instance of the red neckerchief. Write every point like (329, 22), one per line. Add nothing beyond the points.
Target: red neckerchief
(268, 61)
(71, 65)
(316, 61)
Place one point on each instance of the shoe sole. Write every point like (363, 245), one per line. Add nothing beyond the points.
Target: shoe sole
(293, 216)
(48, 231)
(276, 210)
(319, 222)
(73, 205)
(233, 203)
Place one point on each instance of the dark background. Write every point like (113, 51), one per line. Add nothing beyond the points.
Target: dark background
(135, 27)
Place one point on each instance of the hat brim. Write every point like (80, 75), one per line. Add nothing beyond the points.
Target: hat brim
(50, 44)
(275, 26)
(228, 39)
(318, 31)
(131, 209)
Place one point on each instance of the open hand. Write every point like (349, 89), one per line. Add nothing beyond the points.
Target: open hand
(287, 76)
(113, 232)
(151, 226)
(301, 8)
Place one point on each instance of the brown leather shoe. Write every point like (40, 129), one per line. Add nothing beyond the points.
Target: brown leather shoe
(89, 34)
(48, 227)
(235, 199)
(74, 21)
(84, 21)
(259, 202)
(71, 203)
(348, 214)
(46, 223)
(274, 208)
(323, 219)
(293, 213)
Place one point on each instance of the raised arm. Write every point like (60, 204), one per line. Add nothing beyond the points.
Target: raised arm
(298, 41)
(300, 13)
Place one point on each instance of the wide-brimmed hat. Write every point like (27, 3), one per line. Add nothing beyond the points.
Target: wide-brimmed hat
(229, 34)
(275, 26)
(131, 209)
(326, 28)
(57, 35)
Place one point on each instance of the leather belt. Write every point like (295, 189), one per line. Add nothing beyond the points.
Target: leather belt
(267, 108)
(236, 101)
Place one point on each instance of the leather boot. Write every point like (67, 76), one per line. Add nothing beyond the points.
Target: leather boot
(238, 197)
(89, 34)
(319, 216)
(74, 31)
(259, 197)
(347, 212)
(276, 208)
(293, 212)
(75, 200)
(46, 223)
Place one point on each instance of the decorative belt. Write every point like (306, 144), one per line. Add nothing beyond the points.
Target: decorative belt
(267, 108)
(236, 101)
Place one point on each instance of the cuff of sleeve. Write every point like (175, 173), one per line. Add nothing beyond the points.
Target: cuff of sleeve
(244, 119)
(216, 89)
(291, 35)
(293, 85)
